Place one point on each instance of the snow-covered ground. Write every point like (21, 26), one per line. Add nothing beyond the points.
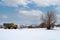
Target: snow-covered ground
(30, 34)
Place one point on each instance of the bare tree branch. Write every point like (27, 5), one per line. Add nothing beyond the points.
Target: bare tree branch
(49, 19)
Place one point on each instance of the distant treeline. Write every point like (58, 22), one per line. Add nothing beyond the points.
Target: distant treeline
(57, 25)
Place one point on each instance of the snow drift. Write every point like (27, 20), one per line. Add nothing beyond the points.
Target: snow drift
(30, 34)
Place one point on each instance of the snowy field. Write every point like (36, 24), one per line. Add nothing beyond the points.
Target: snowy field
(30, 34)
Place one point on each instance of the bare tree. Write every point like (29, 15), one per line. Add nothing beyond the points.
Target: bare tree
(49, 19)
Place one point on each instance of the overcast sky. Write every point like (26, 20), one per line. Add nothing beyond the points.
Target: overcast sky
(27, 11)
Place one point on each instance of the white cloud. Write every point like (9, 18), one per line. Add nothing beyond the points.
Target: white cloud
(5, 16)
(29, 16)
(57, 9)
(42, 3)
(31, 12)
(15, 3)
